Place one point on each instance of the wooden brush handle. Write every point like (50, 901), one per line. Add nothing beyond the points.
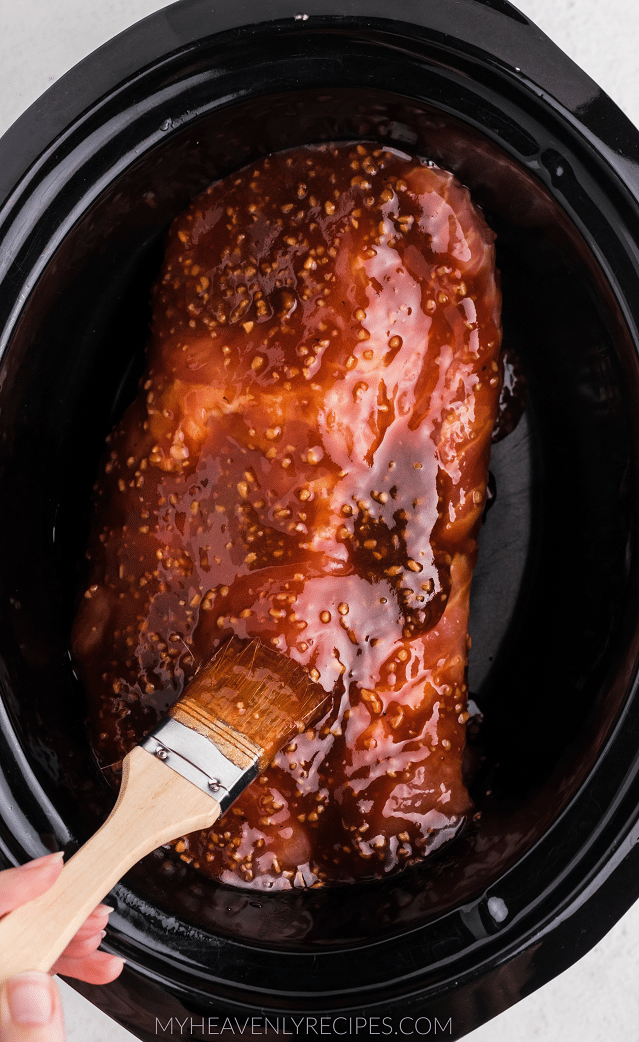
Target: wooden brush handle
(154, 805)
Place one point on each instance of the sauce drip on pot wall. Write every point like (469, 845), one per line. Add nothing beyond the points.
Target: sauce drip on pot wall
(306, 462)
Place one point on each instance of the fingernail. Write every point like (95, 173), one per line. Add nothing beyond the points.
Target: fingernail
(48, 859)
(104, 909)
(30, 998)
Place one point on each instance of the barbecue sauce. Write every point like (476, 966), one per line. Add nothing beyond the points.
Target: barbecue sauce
(306, 463)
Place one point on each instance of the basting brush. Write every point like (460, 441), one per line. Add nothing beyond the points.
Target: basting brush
(231, 720)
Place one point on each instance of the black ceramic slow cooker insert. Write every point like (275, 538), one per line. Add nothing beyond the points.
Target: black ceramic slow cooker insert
(90, 179)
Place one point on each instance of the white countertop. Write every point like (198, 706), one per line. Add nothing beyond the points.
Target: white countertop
(597, 1000)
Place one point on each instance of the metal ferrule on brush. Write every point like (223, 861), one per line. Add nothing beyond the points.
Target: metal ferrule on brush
(201, 761)
(233, 717)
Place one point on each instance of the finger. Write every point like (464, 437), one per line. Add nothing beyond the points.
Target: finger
(30, 1010)
(97, 968)
(95, 922)
(22, 884)
(78, 947)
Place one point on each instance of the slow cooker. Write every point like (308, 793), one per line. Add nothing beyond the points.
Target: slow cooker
(90, 179)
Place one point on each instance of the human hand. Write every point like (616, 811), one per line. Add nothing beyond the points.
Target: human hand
(30, 1008)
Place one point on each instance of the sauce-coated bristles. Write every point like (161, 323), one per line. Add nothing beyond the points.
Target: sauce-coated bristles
(262, 696)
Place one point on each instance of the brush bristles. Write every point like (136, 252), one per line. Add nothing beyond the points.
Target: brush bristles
(249, 698)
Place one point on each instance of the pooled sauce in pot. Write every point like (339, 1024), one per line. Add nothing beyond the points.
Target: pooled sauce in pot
(306, 463)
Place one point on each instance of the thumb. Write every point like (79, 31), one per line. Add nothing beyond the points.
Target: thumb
(30, 1009)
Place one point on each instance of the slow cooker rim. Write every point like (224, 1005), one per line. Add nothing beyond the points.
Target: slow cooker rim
(608, 133)
(167, 33)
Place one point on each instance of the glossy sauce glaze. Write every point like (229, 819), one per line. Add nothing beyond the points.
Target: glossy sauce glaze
(306, 462)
